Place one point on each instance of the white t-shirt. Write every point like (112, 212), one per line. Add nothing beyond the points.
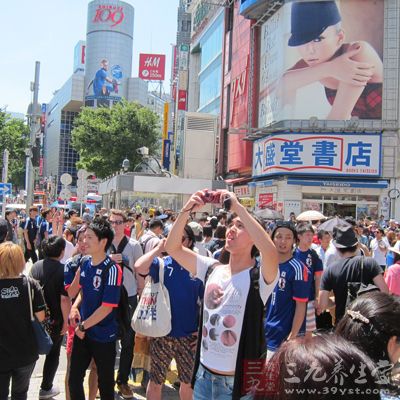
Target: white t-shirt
(69, 251)
(377, 254)
(225, 299)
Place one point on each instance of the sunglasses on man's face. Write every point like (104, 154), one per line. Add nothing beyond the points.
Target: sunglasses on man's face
(116, 222)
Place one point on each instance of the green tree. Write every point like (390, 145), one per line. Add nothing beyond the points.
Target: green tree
(14, 136)
(104, 137)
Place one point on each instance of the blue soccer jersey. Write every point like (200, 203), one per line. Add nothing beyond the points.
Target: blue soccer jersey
(314, 264)
(100, 290)
(70, 269)
(184, 291)
(293, 285)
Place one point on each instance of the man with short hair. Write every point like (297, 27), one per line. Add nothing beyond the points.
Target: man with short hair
(285, 318)
(379, 248)
(125, 251)
(11, 218)
(324, 238)
(100, 280)
(308, 256)
(30, 231)
(347, 269)
(152, 237)
(184, 291)
(234, 298)
(49, 272)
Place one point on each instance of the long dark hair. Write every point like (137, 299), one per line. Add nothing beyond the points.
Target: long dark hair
(293, 361)
(383, 314)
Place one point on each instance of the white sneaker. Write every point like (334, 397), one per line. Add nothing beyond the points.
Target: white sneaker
(48, 394)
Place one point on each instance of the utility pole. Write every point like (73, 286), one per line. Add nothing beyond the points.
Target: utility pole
(34, 115)
(4, 179)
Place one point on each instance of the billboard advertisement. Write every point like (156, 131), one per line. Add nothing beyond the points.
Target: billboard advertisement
(108, 52)
(152, 67)
(318, 154)
(320, 59)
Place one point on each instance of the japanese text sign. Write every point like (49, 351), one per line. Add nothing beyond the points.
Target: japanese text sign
(318, 154)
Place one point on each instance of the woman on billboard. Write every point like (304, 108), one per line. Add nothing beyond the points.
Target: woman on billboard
(351, 73)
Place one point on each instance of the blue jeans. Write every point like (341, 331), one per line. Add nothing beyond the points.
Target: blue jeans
(20, 378)
(210, 386)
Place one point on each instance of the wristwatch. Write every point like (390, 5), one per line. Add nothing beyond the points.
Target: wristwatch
(81, 327)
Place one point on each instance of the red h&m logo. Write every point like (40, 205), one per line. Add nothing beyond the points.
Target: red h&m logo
(152, 67)
(109, 13)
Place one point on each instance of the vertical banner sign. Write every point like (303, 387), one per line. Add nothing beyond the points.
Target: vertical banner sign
(165, 128)
(167, 153)
(182, 100)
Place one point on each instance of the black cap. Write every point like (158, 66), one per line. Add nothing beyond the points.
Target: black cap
(309, 19)
(345, 237)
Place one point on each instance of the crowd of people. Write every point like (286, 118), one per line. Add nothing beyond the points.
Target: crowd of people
(259, 309)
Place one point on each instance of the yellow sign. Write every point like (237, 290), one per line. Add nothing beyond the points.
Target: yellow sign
(165, 126)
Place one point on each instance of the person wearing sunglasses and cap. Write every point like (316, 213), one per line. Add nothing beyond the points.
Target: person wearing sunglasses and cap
(234, 297)
(351, 73)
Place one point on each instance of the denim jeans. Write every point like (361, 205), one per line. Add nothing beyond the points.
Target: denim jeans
(211, 386)
(20, 378)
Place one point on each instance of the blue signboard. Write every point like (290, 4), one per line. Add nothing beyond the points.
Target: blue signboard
(5, 188)
(167, 154)
(318, 154)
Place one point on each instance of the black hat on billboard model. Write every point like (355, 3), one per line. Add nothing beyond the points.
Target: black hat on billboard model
(345, 237)
(310, 19)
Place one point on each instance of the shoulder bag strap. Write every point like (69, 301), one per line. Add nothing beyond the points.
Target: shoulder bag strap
(30, 299)
(122, 245)
(161, 270)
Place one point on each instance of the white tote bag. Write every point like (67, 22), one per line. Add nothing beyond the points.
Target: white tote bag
(152, 316)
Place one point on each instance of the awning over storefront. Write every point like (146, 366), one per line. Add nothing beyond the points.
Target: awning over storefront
(372, 184)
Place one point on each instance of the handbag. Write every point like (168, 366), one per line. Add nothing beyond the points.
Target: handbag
(152, 316)
(43, 339)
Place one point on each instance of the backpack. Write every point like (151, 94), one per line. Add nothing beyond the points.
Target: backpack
(355, 289)
(143, 244)
(123, 313)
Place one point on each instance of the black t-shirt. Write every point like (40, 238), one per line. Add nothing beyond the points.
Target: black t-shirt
(50, 274)
(32, 228)
(336, 276)
(17, 340)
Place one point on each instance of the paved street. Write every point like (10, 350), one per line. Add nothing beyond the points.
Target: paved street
(168, 392)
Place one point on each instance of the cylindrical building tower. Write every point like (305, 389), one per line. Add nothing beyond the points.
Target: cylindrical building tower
(109, 40)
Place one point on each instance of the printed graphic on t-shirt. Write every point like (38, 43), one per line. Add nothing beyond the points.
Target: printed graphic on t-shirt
(224, 302)
(9, 293)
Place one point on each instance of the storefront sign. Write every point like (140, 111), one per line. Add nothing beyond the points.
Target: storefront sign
(311, 154)
(265, 200)
(152, 67)
(242, 191)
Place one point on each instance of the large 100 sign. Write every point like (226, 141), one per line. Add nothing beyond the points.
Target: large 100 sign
(318, 154)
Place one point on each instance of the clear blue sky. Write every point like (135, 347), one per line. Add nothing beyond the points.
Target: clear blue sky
(47, 31)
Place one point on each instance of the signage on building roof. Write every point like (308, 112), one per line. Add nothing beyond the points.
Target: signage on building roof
(111, 14)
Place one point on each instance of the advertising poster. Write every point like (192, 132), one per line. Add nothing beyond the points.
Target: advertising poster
(106, 81)
(321, 59)
(318, 154)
